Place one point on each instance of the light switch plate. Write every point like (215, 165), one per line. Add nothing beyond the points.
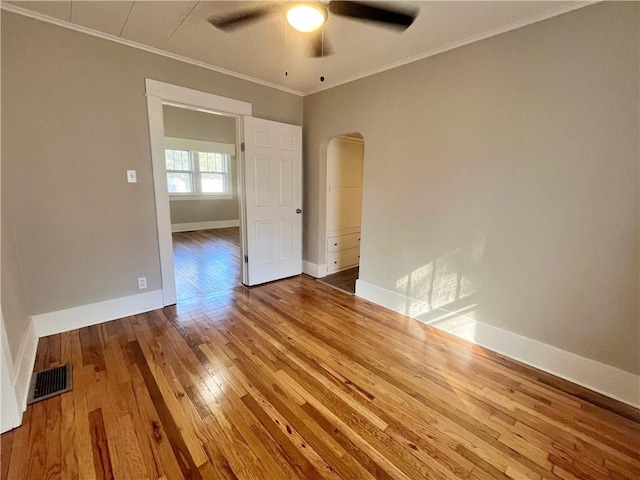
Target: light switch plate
(131, 176)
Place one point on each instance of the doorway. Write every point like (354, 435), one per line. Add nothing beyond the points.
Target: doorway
(159, 94)
(202, 184)
(270, 193)
(345, 162)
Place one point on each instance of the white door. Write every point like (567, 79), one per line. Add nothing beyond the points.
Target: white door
(273, 200)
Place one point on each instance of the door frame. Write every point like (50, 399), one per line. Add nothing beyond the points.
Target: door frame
(10, 411)
(159, 94)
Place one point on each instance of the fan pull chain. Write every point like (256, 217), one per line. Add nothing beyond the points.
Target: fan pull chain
(322, 54)
(286, 48)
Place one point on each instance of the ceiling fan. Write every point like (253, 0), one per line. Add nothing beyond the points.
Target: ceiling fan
(309, 17)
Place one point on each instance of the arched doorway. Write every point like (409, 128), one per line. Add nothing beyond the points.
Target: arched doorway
(345, 161)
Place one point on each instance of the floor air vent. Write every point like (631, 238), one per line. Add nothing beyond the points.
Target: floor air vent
(49, 383)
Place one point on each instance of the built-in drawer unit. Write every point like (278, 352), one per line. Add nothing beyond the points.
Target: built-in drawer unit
(344, 259)
(343, 251)
(343, 242)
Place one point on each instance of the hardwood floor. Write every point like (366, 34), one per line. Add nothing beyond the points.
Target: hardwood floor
(294, 380)
(206, 261)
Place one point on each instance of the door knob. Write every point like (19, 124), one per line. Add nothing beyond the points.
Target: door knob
(298, 211)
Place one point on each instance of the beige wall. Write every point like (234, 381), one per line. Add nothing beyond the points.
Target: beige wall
(74, 119)
(14, 307)
(184, 123)
(509, 166)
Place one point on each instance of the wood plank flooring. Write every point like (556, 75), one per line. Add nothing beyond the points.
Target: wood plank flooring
(295, 380)
(206, 261)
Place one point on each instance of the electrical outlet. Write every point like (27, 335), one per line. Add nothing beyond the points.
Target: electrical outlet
(142, 283)
(131, 176)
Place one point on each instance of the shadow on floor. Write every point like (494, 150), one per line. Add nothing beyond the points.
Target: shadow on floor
(344, 281)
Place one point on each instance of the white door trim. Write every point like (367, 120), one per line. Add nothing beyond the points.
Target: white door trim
(10, 412)
(159, 93)
(184, 96)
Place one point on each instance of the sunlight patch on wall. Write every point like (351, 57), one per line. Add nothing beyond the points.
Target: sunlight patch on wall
(445, 281)
(444, 291)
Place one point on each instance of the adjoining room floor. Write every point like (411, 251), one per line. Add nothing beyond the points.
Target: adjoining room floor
(344, 281)
(206, 261)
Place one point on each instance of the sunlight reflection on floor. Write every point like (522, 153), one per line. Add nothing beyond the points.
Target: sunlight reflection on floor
(458, 325)
(444, 291)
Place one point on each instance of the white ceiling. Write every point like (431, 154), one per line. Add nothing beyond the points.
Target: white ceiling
(258, 51)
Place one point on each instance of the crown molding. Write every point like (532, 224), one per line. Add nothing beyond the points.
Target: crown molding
(129, 43)
(461, 43)
(554, 12)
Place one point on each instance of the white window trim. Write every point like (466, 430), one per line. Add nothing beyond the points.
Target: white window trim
(193, 145)
(175, 143)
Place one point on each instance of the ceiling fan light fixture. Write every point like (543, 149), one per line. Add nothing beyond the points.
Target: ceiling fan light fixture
(306, 18)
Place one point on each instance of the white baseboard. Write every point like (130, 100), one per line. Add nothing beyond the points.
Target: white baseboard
(602, 378)
(10, 411)
(314, 270)
(25, 361)
(190, 227)
(94, 313)
(70, 319)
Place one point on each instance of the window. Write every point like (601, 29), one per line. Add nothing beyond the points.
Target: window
(179, 171)
(194, 168)
(212, 168)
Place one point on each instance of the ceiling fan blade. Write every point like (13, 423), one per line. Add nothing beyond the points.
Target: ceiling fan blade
(371, 13)
(317, 49)
(241, 19)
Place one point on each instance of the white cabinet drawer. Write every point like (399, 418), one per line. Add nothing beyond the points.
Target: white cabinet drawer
(343, 259)
(343, 242)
